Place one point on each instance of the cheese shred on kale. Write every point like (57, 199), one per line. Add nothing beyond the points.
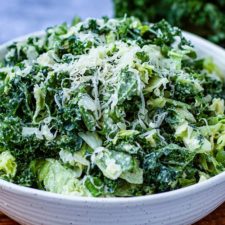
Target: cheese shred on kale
(110, 107)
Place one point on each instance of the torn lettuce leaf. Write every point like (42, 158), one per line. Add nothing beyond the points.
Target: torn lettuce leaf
(118, 164)
(8, 165)
(54, 177)
(92, 139)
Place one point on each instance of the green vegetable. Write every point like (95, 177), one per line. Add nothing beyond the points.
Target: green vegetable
(7, 165)
(205, 18)
(54, 177)
(94, 185)
(110, 107)
(112, 163)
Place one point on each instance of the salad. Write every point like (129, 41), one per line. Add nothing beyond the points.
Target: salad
(110, 107)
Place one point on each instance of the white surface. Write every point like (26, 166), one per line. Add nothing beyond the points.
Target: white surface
(180, 207)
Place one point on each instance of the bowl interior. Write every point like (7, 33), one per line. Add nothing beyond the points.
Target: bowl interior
(204, 49)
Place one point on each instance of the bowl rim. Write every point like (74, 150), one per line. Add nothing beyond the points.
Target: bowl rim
(158, 197)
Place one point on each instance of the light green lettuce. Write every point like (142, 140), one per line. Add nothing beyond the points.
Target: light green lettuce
(8, 165)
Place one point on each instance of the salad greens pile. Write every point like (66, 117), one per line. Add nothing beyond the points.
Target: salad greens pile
(110, 107)
(202, 17)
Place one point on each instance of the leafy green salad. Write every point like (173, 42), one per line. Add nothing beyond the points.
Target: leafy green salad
(110, 107)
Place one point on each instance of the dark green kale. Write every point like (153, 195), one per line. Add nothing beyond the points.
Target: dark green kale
(205, 18)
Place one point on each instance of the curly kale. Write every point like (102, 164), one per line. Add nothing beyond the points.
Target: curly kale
(205, 18)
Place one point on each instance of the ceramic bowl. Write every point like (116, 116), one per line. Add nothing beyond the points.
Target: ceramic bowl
(179, 207)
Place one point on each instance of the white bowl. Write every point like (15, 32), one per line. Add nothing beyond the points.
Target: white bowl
(183, 206)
